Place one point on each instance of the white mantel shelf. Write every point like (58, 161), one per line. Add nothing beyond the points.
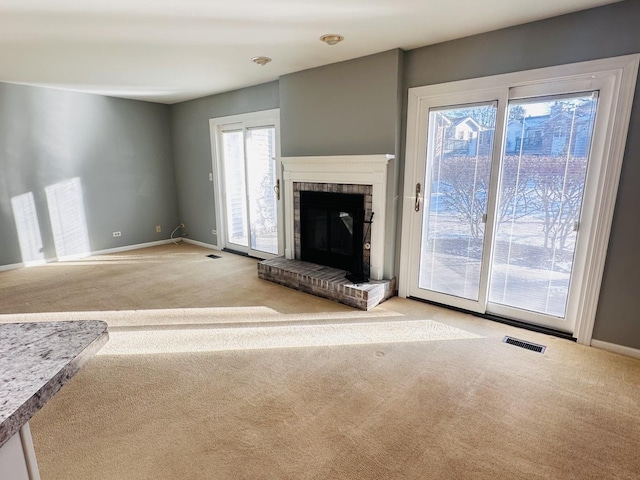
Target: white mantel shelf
(344, 169)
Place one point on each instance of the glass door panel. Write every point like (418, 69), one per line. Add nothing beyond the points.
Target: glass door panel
(458, 167)
(261, 180)
(542, 182)
(250, 186)
(235, 188)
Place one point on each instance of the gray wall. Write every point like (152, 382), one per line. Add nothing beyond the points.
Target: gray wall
(192, 151)
(597, 33)
(347, 108)
(120, 150)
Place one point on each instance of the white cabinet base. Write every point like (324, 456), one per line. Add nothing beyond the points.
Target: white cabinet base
(18, 458)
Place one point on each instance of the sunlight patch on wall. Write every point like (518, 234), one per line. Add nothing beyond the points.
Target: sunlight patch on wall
(28, 228)
(68, 220)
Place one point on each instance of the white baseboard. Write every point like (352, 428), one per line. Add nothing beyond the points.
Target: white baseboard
(612, 347)
(133, 247)
(201, 244)
(12, 266)
(67, 258)
(35, 263)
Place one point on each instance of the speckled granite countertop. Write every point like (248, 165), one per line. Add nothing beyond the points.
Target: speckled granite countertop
(36, 360)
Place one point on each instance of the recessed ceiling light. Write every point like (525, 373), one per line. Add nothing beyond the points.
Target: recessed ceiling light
(262, 61)
(331, 38)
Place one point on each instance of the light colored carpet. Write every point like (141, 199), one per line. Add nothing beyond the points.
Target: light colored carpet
(211, 373)
(191, 340)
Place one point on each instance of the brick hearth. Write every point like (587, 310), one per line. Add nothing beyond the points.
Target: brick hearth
(326, 282)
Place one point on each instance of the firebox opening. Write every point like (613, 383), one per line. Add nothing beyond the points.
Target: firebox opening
(331, 230)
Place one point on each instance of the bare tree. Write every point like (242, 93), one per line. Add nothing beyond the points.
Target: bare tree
(558, 187)
(516, 113)
(464, 190)
(464, 187)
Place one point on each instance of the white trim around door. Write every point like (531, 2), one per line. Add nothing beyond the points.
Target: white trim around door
(243, 123)
(613, 80)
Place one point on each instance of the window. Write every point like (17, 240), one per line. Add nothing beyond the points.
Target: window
(519, 228)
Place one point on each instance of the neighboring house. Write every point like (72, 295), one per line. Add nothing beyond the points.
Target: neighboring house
(461, 136)
(526, 135)
(465, 136)
(550, 134)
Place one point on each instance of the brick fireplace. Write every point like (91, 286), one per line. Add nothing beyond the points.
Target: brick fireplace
(366, 175)
(356, 194)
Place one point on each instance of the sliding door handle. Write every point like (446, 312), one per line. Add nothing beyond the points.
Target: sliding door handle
(417, 205)
(276, 189)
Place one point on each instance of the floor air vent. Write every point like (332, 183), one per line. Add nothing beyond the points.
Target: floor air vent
(213, 256)
(524, 344)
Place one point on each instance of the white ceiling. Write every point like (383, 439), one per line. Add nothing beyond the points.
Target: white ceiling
(173, 50)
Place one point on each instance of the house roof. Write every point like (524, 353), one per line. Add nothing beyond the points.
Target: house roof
(469, 121)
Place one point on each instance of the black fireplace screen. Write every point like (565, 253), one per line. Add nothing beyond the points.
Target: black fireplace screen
(331, 229)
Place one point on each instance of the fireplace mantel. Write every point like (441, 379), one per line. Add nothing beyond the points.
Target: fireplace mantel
(343, 169)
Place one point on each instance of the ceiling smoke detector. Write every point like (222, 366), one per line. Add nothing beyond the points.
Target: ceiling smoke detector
(262, 61)
(331, 38)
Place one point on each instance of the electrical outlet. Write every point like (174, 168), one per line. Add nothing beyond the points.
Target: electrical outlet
(210, 177)
(117, 234)
(158, 228)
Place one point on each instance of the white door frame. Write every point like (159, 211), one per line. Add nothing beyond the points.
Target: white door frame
(617, 78)
(242, 121)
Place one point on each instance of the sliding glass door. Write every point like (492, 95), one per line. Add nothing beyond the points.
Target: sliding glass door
(247, 165)
(498, 200)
